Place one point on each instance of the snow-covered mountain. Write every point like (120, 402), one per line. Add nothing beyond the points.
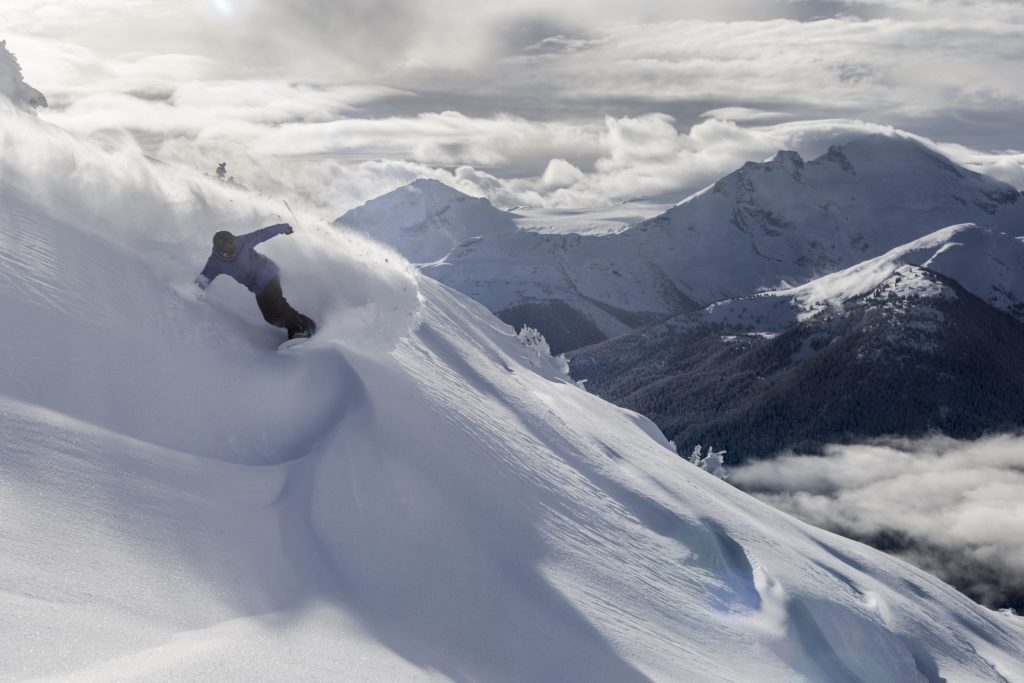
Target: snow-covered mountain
(426, 219)
(924, 338)
(519, 274)
(413, 495)
(784, 221)
(790, 221)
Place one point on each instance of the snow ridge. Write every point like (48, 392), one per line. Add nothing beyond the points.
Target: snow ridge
(987, 263)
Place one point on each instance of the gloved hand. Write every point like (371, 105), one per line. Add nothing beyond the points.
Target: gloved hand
(288, 228)
(198, 289)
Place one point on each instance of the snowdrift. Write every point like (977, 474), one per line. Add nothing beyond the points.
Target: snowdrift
(413, 495)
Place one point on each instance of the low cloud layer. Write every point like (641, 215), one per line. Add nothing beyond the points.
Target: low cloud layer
(953, 508)
(315, 143)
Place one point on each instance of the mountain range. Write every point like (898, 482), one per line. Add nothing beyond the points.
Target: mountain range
(789, 305)
(767, 225)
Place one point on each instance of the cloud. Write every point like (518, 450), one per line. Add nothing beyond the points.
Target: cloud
(582, 103)
(560, 174)
(194, 108)
(866, 60)
(1006, 165)
(317, 142)
(743, 114)
(283, 144)
(954, 508)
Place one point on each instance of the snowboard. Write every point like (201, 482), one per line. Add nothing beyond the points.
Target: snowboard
(292, 343)
(298, 341)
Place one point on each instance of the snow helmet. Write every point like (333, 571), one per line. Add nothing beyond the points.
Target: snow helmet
(224, 244)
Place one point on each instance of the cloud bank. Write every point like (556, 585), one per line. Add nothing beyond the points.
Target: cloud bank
(954, 508)
(583, 103)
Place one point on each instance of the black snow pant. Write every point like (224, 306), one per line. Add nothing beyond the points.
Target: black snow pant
(278, 312)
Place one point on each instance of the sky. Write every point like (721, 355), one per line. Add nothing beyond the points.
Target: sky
(570, 104)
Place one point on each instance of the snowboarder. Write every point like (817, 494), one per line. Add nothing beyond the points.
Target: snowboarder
(236, 256)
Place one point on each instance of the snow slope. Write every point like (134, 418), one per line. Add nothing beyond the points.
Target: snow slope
(413, 495)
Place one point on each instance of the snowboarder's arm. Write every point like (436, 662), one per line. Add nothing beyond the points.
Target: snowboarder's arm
(209, 273)
(264, 234)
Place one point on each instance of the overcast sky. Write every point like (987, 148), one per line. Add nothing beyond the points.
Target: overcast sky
(580, 102)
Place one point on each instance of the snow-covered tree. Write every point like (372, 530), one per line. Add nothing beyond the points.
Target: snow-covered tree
(713, 462)
(535, 341)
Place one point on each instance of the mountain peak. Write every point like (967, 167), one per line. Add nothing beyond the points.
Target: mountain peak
(426, 190)
(878, 153)
(429, 182)
(435, 187)
(426, 219)
(910, 281)
(895, 152)
(789, 161)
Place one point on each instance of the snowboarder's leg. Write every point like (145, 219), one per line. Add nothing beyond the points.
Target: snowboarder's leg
(308, 324)
(278, 312)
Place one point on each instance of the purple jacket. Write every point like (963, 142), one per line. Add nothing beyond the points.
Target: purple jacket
(249, 267)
